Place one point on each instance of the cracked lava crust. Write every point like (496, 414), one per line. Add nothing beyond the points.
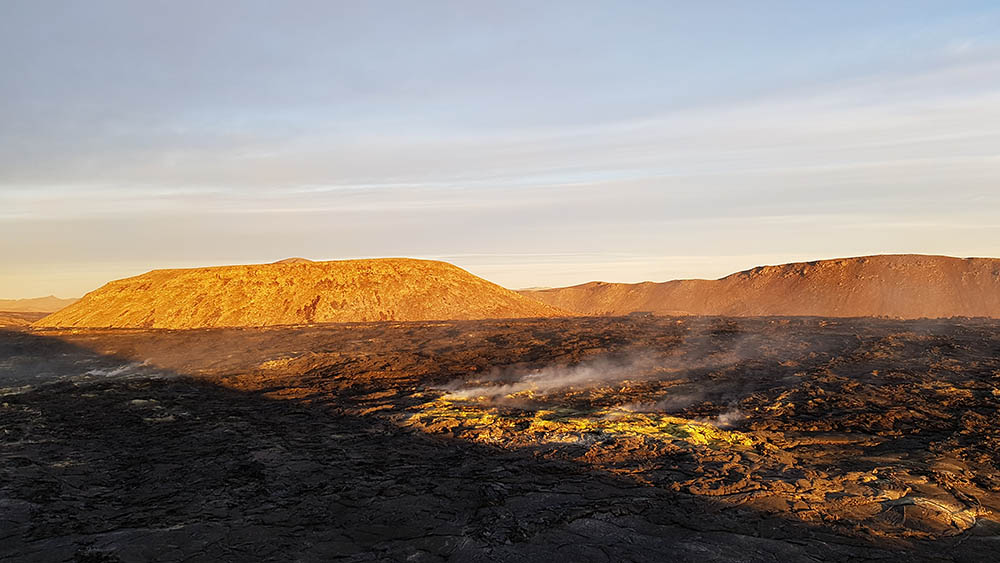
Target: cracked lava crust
(649, 438)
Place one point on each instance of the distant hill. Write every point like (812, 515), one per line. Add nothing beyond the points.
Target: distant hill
(48, 304)
(900, 286)
(295, 292)
(10, 319)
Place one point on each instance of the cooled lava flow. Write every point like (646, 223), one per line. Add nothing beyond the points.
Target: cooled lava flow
(701, 420)
(496, 440)
(761, 469)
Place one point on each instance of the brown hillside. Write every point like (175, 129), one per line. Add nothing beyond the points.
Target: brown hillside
(902, 286)
(48, 304)
(294, 293)
(18, 319)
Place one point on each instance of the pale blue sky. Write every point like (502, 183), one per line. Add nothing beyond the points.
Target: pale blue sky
(535, 144)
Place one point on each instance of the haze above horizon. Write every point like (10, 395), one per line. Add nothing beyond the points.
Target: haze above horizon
(533, 145)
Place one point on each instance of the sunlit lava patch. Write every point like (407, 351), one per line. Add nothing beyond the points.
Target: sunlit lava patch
(487, 422)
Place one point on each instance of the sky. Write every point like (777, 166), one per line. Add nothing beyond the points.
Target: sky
(536, 144)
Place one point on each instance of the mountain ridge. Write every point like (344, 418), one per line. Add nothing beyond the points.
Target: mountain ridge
(884, 285)
(47, 304)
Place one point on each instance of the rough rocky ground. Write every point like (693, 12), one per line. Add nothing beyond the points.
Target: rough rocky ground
(849, 440)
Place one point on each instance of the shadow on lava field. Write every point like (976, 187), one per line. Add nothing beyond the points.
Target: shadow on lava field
(586, 439)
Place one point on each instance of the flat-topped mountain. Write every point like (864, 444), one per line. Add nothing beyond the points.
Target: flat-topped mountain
(901, 286)
(49, 304)
(295, 292)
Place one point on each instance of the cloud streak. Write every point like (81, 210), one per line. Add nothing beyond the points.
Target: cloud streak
(546, 149)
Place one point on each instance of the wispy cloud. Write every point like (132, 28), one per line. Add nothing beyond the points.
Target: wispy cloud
(878, 138)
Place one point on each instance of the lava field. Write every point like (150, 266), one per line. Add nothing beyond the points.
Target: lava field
(578, 439)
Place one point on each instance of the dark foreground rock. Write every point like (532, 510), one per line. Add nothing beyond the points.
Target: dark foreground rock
(293, 444)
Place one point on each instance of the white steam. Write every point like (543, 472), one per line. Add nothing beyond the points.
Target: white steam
(697, 371)
(554, 378)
